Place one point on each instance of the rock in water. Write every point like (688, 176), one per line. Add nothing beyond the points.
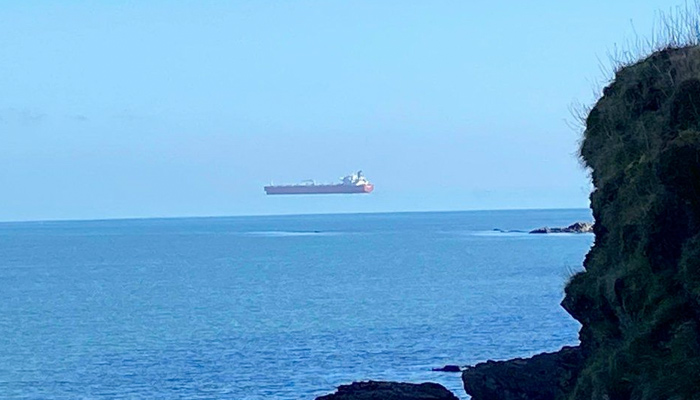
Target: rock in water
(390, 391)
(577, 227)
(581, 227)
(546, 376)
(544, 229)
(448, 368)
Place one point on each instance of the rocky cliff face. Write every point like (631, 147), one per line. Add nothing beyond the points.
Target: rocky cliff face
(545, 376)
(638, 299)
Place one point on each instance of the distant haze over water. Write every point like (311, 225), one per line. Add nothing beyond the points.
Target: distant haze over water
(170, 109)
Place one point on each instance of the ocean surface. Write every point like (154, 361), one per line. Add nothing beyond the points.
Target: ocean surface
(282, 307)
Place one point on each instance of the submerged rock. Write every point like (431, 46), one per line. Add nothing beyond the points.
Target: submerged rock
(578, 227)
(373, 390)
(546, 376)
(508, 230)
(448, 368)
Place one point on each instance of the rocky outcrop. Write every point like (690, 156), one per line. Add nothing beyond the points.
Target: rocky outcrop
(448, 368)
(578, 227)
(638, 297)
(373, 390)
(545, 376)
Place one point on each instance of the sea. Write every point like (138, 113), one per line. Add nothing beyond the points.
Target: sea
(276, 307)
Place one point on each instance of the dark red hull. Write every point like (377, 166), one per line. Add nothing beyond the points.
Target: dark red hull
(319, 189)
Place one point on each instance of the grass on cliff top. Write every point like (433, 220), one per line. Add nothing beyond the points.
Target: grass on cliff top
(677, 27)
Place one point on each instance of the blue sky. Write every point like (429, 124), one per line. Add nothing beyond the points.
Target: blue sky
(153, 109)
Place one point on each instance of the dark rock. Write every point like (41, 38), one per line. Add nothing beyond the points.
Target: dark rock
(546, 376)
(390, 391)
(578, 227)
(448, 368)
(542, 230)
(637, 297)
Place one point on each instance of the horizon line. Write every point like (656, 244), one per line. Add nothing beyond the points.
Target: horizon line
(280, 215)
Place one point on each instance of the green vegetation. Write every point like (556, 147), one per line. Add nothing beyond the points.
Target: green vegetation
(638, 299)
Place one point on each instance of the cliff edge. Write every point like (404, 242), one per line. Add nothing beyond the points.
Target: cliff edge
(638, 299)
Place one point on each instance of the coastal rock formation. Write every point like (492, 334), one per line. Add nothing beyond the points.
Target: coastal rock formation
(638, 299)
(577, 227)
(448, 368)
(373, 390)
(545, 376)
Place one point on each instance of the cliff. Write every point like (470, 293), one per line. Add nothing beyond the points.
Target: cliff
(638, 298)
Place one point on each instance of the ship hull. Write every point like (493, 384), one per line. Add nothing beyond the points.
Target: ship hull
(319, 189)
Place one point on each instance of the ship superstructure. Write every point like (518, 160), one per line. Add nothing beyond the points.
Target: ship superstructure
(353, 183)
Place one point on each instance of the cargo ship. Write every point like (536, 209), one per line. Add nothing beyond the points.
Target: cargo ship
(353, 183)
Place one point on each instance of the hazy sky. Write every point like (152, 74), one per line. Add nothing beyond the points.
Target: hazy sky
(138, 109)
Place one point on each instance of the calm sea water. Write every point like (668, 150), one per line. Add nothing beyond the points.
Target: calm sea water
(275, 307)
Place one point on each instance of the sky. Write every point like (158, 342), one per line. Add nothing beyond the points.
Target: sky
(125, 109)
